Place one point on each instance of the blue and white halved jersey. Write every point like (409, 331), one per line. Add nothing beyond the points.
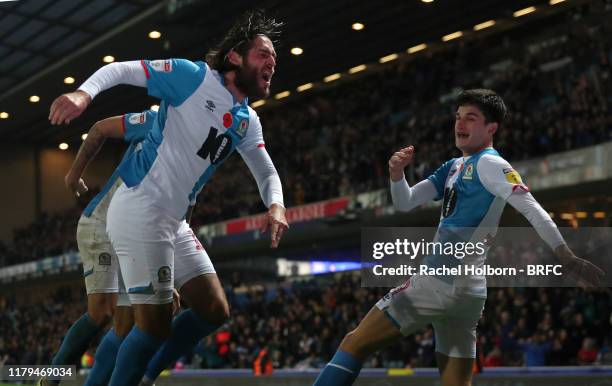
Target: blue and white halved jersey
(474, 191)
(135, 127)
(198, 126)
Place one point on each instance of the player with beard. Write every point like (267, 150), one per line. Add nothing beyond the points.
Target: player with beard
(203, 117)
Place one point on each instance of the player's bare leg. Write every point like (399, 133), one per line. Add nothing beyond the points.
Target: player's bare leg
(154, 319)
(123, 320)
(455, 371)
(206, 297)
(375, 332)
(101, 307)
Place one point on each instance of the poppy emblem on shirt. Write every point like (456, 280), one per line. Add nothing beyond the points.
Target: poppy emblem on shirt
(227, 120)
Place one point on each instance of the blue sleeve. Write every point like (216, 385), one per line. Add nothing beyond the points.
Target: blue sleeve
(137, 125)
(439, 178)
(173, 80)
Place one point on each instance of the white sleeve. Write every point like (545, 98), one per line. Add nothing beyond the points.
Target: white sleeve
(268, 182)
(538, 218)
(406, 198)
(114, 74)
(498, 177)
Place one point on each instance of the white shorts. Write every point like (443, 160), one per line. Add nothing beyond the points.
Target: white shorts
(147, 240)
(190, 258)
(424, 300)
(100, 264)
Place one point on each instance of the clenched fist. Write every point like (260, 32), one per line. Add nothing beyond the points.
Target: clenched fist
(398, 161)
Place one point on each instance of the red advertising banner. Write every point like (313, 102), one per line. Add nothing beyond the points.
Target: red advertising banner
(296, 214)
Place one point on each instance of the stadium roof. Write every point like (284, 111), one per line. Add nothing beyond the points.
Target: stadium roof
(44, 41)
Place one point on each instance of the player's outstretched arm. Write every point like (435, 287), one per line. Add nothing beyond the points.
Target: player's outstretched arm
(268, 182)
(276, 222)
(67, 107)
(404, 197)
(106, 128)
(501, 180)
(585, 273)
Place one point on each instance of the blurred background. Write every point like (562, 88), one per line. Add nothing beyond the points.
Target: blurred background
(355, 81)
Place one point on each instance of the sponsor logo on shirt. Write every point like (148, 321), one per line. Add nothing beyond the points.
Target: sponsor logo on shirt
(137, 119)
(210, 105)
(450, 201)
(161, 65)
(216, 147)
(469, 170)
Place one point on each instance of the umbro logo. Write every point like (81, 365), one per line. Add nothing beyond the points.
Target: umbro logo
(210, 106)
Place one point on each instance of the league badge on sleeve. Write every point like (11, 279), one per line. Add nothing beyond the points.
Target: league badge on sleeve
(512, 176)
(161, 65)
(137, 119)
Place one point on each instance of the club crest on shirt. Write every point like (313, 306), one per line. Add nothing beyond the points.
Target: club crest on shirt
(137, 119)
(242, 127)
(161, 65)
(104, 259)
(469, 170)
(512, 176)
(164, 274)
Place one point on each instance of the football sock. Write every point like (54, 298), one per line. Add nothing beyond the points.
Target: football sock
(133, 356)
(104, 361)
(76, 341)
(187, 330)
(342, 370)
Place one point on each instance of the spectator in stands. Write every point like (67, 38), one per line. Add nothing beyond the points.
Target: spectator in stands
(587, 355)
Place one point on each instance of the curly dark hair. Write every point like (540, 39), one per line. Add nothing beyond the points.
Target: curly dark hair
(240, 38)
(488, 101)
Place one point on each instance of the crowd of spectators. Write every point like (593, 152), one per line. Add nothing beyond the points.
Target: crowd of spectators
(556, 80)
(301, 324)
(555, 77)
(49, 235)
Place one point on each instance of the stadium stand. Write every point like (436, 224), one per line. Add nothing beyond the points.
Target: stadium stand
(300, 325)
(315, 140)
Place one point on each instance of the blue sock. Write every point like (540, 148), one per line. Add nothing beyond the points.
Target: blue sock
(104, 362)
(135, 352)
(187, 330)
(342, 370)
(76, 341)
